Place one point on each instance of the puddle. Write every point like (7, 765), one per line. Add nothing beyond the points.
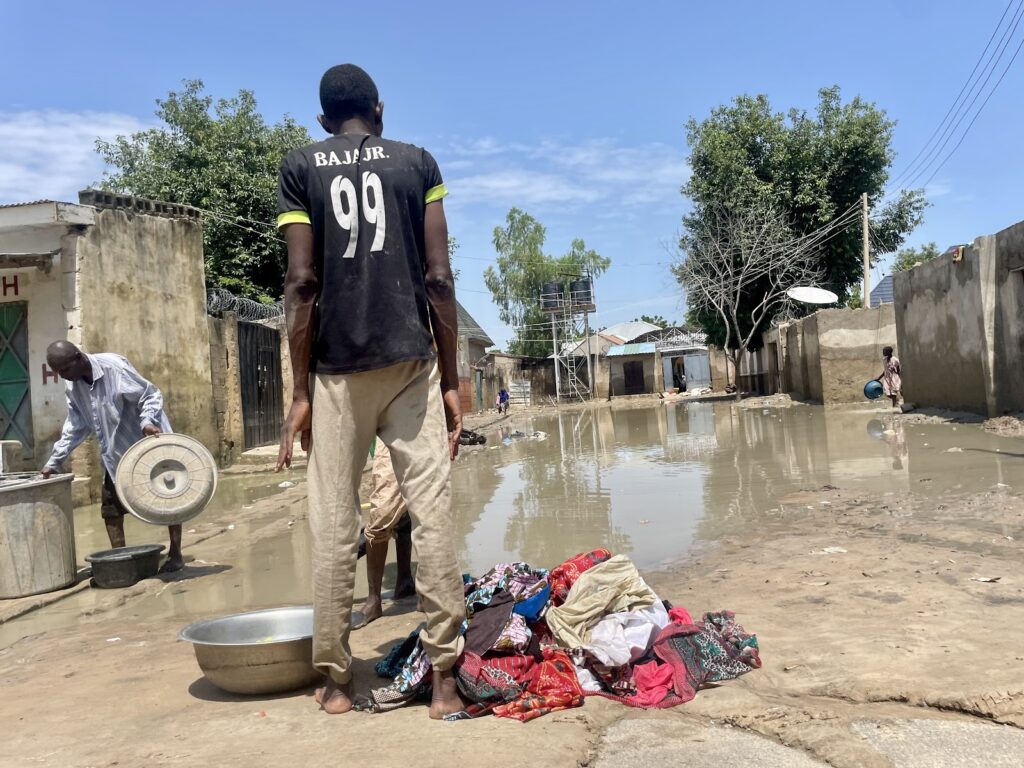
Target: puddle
(648, 482)
(234, 492)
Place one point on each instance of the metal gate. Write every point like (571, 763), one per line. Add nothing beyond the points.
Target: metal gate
(15, 400)
(698, 371)
(259, 362)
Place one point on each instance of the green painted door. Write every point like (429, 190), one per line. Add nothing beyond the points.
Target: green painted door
(15, 400)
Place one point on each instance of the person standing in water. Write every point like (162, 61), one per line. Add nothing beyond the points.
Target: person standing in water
(372, 328)
(892, 385)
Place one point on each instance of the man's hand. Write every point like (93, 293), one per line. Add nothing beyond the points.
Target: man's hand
(151, 429)
(47, 472)
(299, 421)
(453, 415)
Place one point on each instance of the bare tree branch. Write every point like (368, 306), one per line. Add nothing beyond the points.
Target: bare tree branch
(736, 252)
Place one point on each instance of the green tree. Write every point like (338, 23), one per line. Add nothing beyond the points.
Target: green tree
(908, 258)
(854, 300)
(223, 157)
(522, 269)
(811, 168)
(657, 320)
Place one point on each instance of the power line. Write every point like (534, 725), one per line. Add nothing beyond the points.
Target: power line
(956, 101)
(977, 114)
(951, 131)
(961, 113)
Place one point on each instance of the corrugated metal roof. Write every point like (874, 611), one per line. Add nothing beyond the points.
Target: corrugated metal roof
(882, 293)
(622, 350)
(470, 328)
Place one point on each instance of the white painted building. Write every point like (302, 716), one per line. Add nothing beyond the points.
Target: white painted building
(39, 303)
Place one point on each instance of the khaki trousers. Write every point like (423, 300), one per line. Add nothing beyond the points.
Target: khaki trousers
(402, 405)
(387, 508)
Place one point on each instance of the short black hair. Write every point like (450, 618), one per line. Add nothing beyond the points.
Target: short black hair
(347, 91)
(887, 351)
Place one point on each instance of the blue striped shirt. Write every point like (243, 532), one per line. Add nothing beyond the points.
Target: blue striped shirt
(115, 407)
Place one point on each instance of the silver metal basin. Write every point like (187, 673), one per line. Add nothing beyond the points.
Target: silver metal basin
(267, 651)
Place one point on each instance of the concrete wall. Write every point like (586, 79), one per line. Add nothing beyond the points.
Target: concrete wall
(227, 386)
(1007, 346)
(850, 346)
(720, 368)
(961, 327)
(501, 370)
(142, 294)
(829, 356)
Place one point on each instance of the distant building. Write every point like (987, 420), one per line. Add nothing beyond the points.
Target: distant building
(882, 293)
(472, 359)
(659, 359)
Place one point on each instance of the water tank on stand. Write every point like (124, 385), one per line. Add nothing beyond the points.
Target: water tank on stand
(580, 292)
(551, 296)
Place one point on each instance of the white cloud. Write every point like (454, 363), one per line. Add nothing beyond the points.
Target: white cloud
(938, 189)
(566, 175)
(518, 186)
(51, 154)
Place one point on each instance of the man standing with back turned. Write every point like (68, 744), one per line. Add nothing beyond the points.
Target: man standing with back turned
(369, 296)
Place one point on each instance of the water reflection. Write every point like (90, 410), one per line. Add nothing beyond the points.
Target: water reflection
(648, 482)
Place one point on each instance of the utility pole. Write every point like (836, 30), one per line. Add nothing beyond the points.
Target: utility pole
(866, 301)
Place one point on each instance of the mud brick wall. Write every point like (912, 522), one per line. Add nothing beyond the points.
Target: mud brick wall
(830, 355)
(961, 327)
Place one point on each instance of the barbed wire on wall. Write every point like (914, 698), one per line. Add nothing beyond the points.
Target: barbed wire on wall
(220, 300)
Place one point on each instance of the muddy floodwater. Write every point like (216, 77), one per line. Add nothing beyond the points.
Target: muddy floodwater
(651, 483)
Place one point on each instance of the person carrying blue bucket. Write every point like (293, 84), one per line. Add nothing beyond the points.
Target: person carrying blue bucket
(890, 380)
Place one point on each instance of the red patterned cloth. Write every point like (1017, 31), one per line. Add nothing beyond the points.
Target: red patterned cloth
(564, 576)
(554, 687)
(494, 678)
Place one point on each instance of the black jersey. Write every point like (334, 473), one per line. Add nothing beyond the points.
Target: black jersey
(365, 198)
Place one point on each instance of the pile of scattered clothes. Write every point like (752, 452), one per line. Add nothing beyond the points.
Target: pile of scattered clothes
(539, 642)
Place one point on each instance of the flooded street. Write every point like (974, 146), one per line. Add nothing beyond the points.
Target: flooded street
(649, 482)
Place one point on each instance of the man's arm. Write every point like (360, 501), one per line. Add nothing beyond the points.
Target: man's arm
(301, 290)
(443, 316)
(71, 436)
(151, 401)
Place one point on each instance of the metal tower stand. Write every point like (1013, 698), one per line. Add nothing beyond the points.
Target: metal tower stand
(570, 326)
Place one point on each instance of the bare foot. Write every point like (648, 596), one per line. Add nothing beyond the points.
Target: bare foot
(175, 562)
(371, 611)
(405, 588)
(445, 699)
(334, 699)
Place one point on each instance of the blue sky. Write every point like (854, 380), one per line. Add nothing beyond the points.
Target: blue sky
(574, 111)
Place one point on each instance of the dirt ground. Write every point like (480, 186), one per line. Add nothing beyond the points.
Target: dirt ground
(879, 608)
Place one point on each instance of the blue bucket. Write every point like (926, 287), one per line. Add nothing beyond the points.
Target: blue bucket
(873, 390)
